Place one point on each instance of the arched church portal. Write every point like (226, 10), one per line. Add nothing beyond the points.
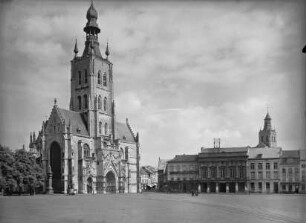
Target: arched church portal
(89, 185)
(56, 166)
(110, 182)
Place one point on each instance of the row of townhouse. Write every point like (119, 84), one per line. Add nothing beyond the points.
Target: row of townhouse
(265, 168)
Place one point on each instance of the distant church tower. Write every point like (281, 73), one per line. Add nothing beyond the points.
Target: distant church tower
(267, 136)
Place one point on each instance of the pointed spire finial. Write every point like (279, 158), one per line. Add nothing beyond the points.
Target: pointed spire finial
(55, 101)
(107, 53)
(76, 50)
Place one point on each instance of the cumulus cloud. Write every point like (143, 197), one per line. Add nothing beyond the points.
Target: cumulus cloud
(184, 72)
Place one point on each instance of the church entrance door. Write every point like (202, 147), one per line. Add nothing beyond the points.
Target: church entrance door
(55, 163)
(110, 182)
(89, 185)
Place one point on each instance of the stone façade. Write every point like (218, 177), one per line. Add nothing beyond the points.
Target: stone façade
(84, 149)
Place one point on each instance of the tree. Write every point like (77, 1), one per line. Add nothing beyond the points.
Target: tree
(19, 170)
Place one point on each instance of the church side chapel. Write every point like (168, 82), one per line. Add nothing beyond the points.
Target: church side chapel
(84, 149)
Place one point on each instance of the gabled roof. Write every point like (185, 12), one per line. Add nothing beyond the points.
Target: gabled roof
(123, 132)
(77, 122)
(264, 153)
(184, 158)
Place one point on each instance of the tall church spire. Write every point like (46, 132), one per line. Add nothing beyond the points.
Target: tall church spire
(92, 30)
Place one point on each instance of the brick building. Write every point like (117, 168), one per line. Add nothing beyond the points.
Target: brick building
(85, 148)
(263, 170)
(182, 173)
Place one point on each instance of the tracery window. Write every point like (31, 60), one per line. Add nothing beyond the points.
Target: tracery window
(86, 151)
(80, 78)
(99, 102)
(99, 77)
(126, 153)
(86, 77)
(80, 102)
(105, 104)
(105, 129)
(100, 127)
(85, 101)
(104, 80)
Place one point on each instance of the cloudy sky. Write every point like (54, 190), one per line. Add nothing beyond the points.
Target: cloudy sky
(185, 72)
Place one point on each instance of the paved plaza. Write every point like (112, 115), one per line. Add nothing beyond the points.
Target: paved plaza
(154, 207)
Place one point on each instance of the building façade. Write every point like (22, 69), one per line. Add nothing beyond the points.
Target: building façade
(237, 169)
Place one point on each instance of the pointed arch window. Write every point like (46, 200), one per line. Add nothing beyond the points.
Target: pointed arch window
(100, 127)
(99, 102)
(99, 77)
(105, 104)
(80, 78)
(85, 101)
(80, 102)
(105, 129)
(86, 77)
(86, 151)
(104, 80)
(126, 153)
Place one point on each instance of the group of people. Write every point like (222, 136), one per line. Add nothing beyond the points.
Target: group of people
(194, 193)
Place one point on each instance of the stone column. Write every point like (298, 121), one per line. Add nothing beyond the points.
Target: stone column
(227, 188)
(49, 180)
(236, 187)
(65, 163)
(246, 188)
(103, 185)
(217, 187)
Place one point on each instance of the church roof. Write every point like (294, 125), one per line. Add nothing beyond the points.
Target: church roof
(268, 116)
(77, 122)
(123, 132)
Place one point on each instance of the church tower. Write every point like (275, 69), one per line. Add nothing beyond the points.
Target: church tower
(267, 136)
(92, 82)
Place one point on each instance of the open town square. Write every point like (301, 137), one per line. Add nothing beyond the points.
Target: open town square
(152, 111)
(154, 207)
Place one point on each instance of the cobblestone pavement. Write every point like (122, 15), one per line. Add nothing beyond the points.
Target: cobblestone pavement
(154, 207)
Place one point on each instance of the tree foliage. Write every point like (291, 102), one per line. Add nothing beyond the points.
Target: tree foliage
(19, 170)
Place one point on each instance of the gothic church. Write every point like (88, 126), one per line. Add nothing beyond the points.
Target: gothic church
(84, 149)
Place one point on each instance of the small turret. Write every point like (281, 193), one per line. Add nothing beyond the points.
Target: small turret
(107, 52)
(76, 50)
